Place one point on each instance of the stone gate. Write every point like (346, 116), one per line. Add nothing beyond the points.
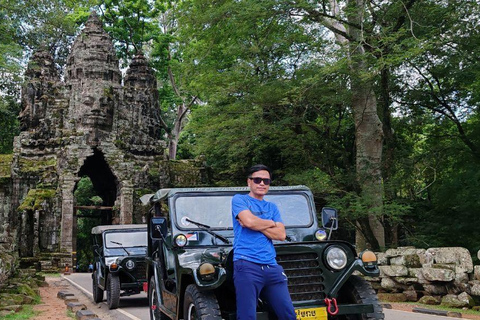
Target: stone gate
(89, 124)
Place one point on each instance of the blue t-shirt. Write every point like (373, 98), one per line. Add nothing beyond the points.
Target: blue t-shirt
(249, 244)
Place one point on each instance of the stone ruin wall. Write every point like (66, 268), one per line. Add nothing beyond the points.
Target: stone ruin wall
(444, 276)
(87, 124)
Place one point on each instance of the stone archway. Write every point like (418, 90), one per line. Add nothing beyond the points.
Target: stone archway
(106, 186)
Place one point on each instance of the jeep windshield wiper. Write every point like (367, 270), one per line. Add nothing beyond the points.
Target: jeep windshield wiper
(207, 228)
(120, 244)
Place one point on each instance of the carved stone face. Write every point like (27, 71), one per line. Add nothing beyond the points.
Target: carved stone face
(98, 112)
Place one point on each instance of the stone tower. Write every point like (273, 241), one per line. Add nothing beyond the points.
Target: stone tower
(87, 125)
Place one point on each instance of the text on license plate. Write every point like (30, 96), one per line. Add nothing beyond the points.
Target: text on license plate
(311, 314)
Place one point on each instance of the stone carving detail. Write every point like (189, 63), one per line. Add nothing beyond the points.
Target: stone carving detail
(93, 78)
(38, 94)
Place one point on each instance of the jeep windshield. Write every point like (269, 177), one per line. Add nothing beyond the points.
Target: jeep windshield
(215, 210)
(125, 243)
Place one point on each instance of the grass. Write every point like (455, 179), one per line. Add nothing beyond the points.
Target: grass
(26, 313)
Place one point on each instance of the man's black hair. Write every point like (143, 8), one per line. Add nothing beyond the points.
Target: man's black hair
(258, 167)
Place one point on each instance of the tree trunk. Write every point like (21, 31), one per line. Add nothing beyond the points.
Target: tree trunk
(176, 130)
(368, 131)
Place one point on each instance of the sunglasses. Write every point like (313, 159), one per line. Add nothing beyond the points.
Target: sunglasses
(256, 180)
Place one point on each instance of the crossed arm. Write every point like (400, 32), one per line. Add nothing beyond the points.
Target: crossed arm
(271, 229)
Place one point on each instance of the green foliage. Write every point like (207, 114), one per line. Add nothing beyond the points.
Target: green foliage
(85, 195)
(131, 23)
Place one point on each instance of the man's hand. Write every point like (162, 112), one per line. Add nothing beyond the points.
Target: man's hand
(276, 233)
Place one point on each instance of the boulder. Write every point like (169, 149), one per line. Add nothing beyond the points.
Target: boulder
(466, 298)
(453, 255)
(389, 285)
(452, 301)
(475, 288)
(436, 274)
(430, 300)
(476, 272)
(393, 271)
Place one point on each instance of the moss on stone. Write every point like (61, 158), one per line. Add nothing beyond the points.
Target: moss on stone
(36, 165)
(35, 198)
(5, 165)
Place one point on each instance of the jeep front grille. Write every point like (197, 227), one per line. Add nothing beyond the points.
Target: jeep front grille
(305, 277)
(140, 271)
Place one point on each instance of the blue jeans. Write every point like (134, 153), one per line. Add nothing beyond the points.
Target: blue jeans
(251, 280)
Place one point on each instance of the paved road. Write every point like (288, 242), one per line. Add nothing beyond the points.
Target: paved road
(136, 307)
(133, 307)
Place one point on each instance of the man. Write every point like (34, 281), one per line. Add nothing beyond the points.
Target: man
(256, 223)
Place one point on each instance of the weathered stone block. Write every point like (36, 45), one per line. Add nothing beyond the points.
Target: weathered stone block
(456, 255)
(393, 271)
(382, 258)
(452, 301)
(389, 285)
(406, 280)
(417, 273)
(435, 274)
(67, 300)
(476, 272)
(75, 306)
(400, 251)
(84, 314)
(408, 260)
(466, 298)
(63, 294)
(475, 288)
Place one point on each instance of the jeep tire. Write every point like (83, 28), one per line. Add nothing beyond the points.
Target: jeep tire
(113, 291)
(97, 292)
(358, 291)
(155, 313)
(200, 305)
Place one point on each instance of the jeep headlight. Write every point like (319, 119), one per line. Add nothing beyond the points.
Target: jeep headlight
(180, 240)
(336, 258)
(110, 260)
(130, 264)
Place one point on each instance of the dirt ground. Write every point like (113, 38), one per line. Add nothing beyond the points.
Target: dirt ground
(53, 308)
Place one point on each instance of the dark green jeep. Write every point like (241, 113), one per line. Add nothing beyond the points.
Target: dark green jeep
(119, 252)
(190, 258)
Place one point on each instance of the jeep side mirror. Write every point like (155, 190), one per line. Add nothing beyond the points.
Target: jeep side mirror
(158, 228)
(329, 218)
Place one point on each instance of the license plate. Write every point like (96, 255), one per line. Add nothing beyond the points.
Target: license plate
(311, 314)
